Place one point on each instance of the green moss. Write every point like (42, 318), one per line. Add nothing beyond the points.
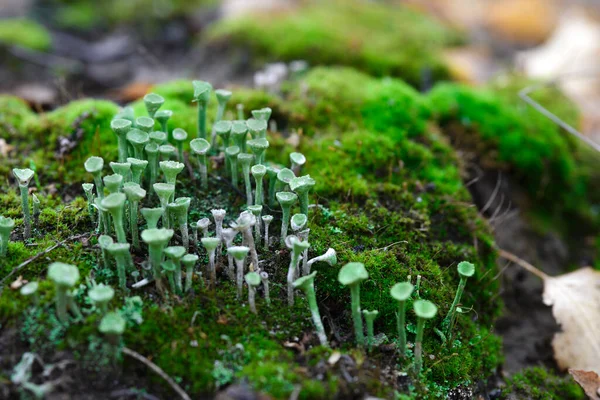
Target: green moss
(374, 37)
(84, 15)
(539, 383)
(24, 33)
(506, 134)
(388, 193)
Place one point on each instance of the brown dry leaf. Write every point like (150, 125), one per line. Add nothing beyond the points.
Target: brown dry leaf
(575, 301)
(589, 381)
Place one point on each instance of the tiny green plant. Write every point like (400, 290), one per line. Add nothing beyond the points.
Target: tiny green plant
(162, 117)
(370, 318)
(121, 127)
(64, 276)
(286, 200)
(179, 136)
(424, 309)
(264, 277)
(31, 290)
(401, 293)
(88, 189)
(36, 210)
(153, 102)
(266, 219)
(211, 244)
(245, 160)
(259, 147)
(120, 252)
(134, 194)
(297, 246)
(189, 262)
(258, 172)
(231, 154)
(202, 92)
(23, 178)
(351, 275)
(6, 227)
(239, 253)
(175, 254)
(112, 327)
(307, 285)
(115, 203)
(253, 280)
(200, 147)
(152, 216)
(465, 270)
(104, 241)
(100, 295)
(137, 169)
(178, 210)
(157, 240)
(297, 160)
(329, 257)
(301, 186)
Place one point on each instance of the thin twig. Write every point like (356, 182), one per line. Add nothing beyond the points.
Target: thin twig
(158, 371)
(522, 263)
(38, 255)
(524, 94)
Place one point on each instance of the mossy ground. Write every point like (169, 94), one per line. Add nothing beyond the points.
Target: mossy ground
(389, 194)
(85, 15)
(374, 37)
(24, 33)
(495, 126)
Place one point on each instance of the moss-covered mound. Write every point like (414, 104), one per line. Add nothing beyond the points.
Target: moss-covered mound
(388, 194)
(86, 15)
(377, 38)
(24, 33)
(501, 132)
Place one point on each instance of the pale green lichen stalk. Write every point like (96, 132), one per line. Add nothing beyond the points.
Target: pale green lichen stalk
(306, 284)
(286, 200)
(351, 275)
(24, 177)
(401, 293)
(297, 248)
(465, 270)
(64, 276)
(202, 91)
(6, 227)
(200, 147)
(253, 280)
(424, 310)
(370, 318)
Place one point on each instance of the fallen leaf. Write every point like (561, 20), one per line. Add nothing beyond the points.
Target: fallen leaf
(18, 283)
(575, 301)
(589, 381)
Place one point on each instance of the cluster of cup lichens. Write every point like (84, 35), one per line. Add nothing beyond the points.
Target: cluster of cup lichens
(151, 159)
(352, 274)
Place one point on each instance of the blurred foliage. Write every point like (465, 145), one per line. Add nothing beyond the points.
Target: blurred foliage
(24, 33)
(374, 37)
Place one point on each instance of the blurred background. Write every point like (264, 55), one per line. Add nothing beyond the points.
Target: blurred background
(53, 51)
